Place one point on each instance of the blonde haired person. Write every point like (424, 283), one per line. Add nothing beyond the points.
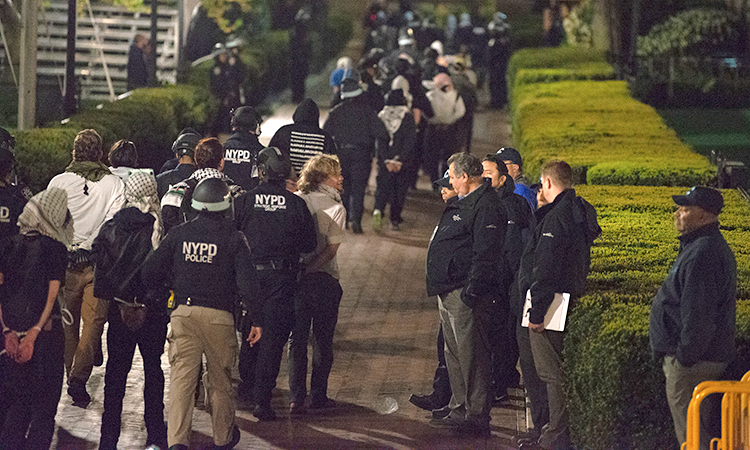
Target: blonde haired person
(317, 303)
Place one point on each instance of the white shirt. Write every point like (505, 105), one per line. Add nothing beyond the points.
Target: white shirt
(105, 197)
(330, 220)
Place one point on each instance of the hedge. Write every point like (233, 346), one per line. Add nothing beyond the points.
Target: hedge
(597, 127)
(615, 388)
(151, 118)
(567, 63)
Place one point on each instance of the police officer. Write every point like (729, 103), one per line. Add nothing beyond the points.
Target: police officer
(242, 147)
(13, 196)
(184, 150)
(279, 227)
(207, 264)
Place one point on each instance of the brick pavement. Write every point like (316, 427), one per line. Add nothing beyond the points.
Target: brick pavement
(384, 350)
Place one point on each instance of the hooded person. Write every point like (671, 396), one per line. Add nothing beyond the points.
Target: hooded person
(392, 184)
(137, 316)
(441, 139)
(304, 138)
(32, 271)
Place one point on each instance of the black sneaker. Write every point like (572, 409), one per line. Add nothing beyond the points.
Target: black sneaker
(77, 391)
(441, 413)
(264, 413)
(451, 421)
(426, 402)
(326, 403)
(530, 437)
(232, 441)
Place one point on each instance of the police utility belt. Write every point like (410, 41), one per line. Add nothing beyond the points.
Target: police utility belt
(277, 264)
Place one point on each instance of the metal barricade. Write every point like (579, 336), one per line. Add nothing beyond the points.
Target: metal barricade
(735, 415)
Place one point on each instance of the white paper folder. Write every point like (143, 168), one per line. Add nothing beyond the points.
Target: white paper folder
(554, 320)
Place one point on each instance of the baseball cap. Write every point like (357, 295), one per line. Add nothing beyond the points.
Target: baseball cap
(705, 197)
(510, 154)
(444, 182)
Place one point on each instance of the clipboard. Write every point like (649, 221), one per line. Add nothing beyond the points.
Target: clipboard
(554, 320)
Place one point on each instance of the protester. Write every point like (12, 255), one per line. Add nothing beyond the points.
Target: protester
(176, 203)
(358, 134)
(94, 196)
(304, 138)
(391, 181)
(123, 159)
(693, 315)
(136, 316)
(31, 272)
(242, 147)
(208, 266)
(556, 260)
(462, 270)
(279, 228)
(317, 303)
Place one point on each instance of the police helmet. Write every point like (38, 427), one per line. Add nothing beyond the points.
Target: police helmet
(186, 142)
(7, 153)
(211, 194)
(7, 141)
(274, 164)
(246, 118)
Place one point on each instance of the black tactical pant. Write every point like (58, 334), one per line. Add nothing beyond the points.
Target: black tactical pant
(278, 288)
(121, 343)
(355, 168)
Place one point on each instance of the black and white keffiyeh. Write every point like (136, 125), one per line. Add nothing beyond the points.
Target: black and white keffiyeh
(47, 214)
(140, 192)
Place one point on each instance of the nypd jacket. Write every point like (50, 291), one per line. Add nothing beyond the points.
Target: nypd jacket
(208, 261)
(693, 313)
(558, 255)
(465, 245)
(304, 138)
(276, 222)
(241, 159)
(12, 200)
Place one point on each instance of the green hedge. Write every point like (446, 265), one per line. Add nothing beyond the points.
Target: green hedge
(566, 63)
(151, 118)
(615, 389)
(597, 127)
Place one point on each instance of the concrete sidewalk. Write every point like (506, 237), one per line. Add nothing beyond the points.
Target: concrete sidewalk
(384, 348)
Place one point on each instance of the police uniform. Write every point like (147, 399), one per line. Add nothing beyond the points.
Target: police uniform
(207, 264)
(279, 228)
(12, 200)
(240, 158)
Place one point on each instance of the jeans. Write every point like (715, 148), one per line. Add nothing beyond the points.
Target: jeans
(316, 304)
(121, 343)
(355, 168)
(34, 392)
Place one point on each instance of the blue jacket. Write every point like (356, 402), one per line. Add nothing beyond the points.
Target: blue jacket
(693, 313)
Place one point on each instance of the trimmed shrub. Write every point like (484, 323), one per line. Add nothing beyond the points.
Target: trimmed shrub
(588, 123)
(570, 58)
(151, 118)
(615, 388)
(586, 71)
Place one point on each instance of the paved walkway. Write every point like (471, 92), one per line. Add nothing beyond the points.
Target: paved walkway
(384, 349)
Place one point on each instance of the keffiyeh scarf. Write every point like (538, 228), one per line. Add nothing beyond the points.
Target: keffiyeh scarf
(47, 214)
(140, 192)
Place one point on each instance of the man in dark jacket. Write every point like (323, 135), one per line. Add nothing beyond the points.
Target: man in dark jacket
(503, 334)
(279, 228)
(137, 69)
(304, 138)
(207, 264)
(358, 133)
(556, 260)
(13, 196)
(462, 270)
(693, 314)
(242, 147)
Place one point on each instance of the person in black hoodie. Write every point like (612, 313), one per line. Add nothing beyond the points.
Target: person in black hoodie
(242, 147)
(555, 260)
(392, 183)
(304, 138)
(520, 225)
(136, 316)
(31, 272)
(462, 270)
(358, 133)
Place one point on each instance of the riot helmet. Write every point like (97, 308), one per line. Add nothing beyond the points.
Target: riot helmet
(246, 118)
(211, 194)
(186, 142)
(7, 153)
(274, 164)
